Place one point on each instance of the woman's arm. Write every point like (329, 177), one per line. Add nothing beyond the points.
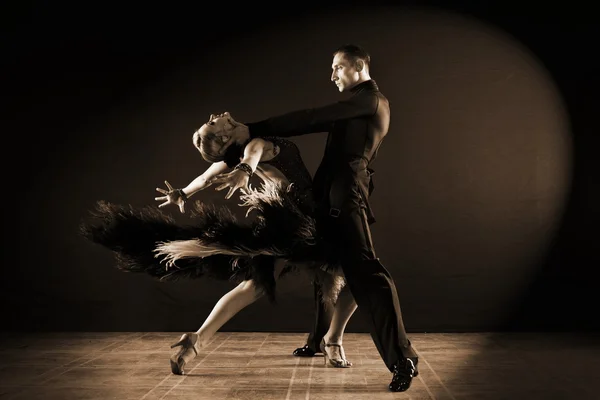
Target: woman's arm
(257, 151)
(239, 177)
(203, 181)
(179, 196)
(254, 152)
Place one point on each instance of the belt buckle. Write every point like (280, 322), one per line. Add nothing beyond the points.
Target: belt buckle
(334, 212)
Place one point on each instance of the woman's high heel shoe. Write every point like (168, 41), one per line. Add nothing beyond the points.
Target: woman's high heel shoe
(188, 346)
(334, 362)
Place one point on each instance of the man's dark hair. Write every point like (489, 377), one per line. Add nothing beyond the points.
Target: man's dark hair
(354, 52)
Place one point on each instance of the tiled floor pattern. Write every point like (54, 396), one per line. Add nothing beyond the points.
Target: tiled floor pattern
(237, 365)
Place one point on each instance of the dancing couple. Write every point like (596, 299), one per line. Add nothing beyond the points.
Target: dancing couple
(320, 226)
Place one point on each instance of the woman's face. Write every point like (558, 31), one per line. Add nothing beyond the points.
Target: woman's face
(219, 124)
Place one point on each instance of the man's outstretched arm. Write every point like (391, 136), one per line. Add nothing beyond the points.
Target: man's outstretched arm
(313, 120)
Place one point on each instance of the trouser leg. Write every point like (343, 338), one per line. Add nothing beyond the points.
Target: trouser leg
(323, 317)
(371, 284)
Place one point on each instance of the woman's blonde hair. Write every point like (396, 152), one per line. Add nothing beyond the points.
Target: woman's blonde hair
(209, 145)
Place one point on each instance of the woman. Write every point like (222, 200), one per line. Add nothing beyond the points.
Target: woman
(220, 246)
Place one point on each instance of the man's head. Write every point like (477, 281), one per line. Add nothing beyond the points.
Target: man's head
(215, 137)
(350, 66)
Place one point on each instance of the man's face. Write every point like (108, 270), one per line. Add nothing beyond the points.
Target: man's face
(344, 75)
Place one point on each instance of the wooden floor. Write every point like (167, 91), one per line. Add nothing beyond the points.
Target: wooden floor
(260, 366)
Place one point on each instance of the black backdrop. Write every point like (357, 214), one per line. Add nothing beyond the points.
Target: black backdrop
(486, 188)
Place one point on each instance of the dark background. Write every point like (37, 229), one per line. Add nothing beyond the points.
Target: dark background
(486, 191)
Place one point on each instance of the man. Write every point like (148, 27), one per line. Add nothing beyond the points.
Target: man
(356, 128)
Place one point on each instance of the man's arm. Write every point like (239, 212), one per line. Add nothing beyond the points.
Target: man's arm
(313, 120)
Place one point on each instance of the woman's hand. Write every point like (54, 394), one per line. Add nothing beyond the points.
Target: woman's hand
(234, 180)
(172, 196)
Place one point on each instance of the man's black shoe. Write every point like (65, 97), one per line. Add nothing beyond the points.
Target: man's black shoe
(404, 372)
(304, 351)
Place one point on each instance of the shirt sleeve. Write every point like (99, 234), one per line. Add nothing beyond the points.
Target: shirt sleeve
(314, 120)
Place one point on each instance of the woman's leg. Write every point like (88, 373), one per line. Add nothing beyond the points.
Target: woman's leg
(344, 308)
(229, 305)
(332, 341)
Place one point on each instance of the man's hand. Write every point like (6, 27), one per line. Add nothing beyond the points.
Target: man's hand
(236, 179)
(172, 196)
(241, 129)
(235, 125)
